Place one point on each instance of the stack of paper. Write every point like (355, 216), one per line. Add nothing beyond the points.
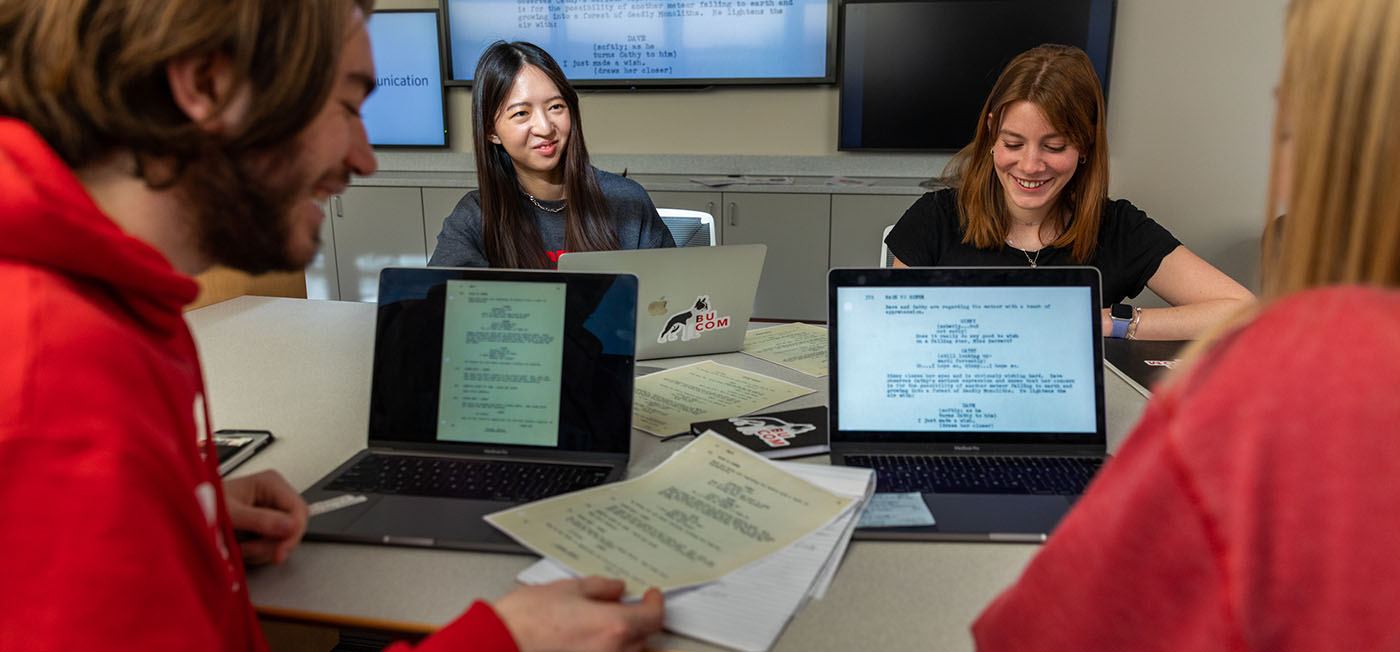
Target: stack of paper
(745, 608)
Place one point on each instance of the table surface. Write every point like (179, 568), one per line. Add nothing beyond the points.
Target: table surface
(301, 369)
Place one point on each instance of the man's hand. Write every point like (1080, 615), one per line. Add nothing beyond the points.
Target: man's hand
(264, 505)
(582, 614)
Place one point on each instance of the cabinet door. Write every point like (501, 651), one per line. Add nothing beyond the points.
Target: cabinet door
(856, 224)
(693, 201)
(322, 280)
(376, 228)
(796, 228)
(437, 205)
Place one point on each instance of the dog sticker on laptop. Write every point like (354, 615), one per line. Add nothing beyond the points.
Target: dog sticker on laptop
(773, 431)
(690, 324)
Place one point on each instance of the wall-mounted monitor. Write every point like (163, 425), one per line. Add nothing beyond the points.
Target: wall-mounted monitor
(914, 75)
(636, 43)
(407, 108)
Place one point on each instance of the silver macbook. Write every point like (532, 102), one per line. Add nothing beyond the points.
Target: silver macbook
(489, 388)
(693, 300)
(978, 389)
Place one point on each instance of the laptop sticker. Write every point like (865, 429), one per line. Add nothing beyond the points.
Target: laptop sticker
(773, 431)
(690, 324)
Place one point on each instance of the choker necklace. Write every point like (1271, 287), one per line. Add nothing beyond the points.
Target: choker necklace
(547, 209)
(1027, 254)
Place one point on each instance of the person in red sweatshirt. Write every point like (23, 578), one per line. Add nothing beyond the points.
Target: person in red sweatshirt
(142, 141)
(1253, 508)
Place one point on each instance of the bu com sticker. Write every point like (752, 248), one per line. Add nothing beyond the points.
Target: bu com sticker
(690, 324)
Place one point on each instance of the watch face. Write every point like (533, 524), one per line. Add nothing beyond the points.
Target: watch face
(1121, 311)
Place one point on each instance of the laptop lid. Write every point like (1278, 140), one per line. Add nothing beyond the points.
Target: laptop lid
(693, 300)
(946, 359)
(504, 363)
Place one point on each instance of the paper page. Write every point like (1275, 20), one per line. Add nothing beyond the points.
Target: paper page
(667, 402)
(711, 508)
(896, 510)
(749, 608)
(795, 346)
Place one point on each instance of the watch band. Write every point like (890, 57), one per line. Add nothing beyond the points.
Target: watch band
(1120, 323)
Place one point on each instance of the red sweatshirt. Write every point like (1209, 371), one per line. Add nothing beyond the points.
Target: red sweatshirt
(113, 531)
(1253, 508)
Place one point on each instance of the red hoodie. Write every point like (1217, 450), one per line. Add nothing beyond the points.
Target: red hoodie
(113, 531)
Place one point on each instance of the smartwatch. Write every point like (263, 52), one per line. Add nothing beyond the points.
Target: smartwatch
(1122, 316)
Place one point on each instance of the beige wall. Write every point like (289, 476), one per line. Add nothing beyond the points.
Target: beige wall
(1190, 113)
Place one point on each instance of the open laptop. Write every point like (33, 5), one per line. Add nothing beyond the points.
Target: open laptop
(979, 388)
(694, 300)
(489, 388)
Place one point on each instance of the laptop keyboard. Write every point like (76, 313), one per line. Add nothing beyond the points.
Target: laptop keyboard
(979, 475)
(412, 475)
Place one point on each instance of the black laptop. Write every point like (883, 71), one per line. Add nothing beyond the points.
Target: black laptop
(979, 388)
(490, 388)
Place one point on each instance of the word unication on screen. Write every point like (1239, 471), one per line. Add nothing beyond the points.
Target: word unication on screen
(403, 80)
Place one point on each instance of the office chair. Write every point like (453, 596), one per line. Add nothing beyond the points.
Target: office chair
(689, 228)
(886, 258)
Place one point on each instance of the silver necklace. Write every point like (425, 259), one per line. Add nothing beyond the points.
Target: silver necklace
(1027, 254)
(547, 209)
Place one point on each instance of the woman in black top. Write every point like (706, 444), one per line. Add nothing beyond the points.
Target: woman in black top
(1032, 189)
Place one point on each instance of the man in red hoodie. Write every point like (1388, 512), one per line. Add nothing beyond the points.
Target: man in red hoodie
(142, 141)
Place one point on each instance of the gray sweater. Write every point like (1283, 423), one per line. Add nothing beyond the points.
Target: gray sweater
(633, 217)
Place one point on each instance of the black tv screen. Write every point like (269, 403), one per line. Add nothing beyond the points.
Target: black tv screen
(622, 43)
(407, 108)
(914, 75)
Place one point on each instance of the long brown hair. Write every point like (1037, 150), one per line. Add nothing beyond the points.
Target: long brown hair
(510, 237)
(1061, 81)
(90, 75)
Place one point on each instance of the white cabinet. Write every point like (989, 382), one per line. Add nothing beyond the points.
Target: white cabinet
(796, 228)
(374, 228)
(437, 205)
(856, 224)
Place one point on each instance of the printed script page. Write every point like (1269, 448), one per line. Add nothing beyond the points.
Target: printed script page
(667, 402)
(710, 509)
(795, 346)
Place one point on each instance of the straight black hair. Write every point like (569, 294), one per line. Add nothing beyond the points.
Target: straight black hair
(508, 220)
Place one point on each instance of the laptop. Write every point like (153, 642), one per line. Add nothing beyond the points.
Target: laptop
(693, 300)
(980, 389)
(490, 388)
(1141, 363)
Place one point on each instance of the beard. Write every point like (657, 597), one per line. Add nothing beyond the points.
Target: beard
(243, 207)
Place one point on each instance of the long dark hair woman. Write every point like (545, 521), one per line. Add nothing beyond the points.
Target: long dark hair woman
(539, 196)
(1032, 189)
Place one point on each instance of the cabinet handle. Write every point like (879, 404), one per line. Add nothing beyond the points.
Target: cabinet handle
(335, 206)
(733, 219)
(710, 207)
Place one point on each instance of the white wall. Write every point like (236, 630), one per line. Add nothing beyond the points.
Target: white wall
(1190, 115)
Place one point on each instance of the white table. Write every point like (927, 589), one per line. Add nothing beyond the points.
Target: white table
(301, 369)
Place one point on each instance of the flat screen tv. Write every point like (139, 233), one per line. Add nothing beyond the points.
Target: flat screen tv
(658, 43)
(407, 108)
(914, 75)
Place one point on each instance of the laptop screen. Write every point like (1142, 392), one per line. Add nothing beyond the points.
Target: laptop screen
(473, 358)
(966, 355)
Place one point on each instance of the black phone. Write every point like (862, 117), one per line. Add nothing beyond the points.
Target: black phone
(236, 446)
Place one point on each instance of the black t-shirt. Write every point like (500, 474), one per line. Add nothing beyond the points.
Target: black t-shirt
(1131, 246)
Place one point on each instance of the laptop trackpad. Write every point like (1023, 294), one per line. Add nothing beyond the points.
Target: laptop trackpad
(441, 519)
(984, 513)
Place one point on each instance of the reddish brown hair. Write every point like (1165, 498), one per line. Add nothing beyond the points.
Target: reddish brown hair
(1061, 81)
